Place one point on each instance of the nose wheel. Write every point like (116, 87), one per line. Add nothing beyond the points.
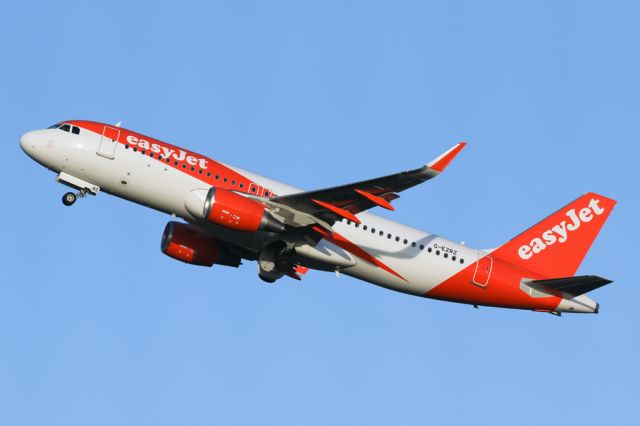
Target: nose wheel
(69, 198)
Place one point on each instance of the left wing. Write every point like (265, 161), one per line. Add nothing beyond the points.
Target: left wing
(346, 201)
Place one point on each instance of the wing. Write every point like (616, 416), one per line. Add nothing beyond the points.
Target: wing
(346, 201)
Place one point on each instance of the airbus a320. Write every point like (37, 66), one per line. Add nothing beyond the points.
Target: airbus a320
(232, 215)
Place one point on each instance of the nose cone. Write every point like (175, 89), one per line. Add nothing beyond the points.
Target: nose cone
(28, 142)
(39, 145)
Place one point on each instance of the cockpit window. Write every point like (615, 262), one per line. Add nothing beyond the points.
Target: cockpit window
(75, 130)
(65, 127)
(55, 126)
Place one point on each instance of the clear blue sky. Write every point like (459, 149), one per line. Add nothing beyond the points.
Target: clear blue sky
(97, 327)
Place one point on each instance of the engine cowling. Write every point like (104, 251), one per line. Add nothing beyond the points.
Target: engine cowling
(234, 211)
(190, 244)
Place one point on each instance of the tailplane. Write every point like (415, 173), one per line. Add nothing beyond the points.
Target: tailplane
(575, 286)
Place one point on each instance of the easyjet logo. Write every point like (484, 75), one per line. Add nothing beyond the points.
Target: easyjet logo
(178, 155)
(561, 232)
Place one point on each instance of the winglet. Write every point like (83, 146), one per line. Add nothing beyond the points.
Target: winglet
(440, 163)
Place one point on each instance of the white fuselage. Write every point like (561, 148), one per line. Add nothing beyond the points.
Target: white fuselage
(152, 183)
(378, 250)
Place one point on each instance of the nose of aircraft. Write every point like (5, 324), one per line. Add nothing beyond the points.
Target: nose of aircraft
(29, 142)
(38, 145)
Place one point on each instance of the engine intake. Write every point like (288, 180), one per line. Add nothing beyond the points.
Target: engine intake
(190, 244)
(234, 211)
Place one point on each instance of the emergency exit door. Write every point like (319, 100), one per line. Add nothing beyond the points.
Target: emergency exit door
(109, 142)
(483, 270)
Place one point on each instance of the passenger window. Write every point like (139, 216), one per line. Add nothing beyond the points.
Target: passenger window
(406, 241)
(65, 127)
(413, 244)
(437, 252)
(446, 255)
(421, 246)
(373, 230)
(461, 261)
(75, 130)
(266, 193)
(397, 238)
(242, 185)
(429, 249)
(381, 233)
(453, 258)
(389, 236)
(364, 227)
(233, 183)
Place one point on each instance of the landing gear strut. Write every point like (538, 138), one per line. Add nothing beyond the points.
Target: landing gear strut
(275, 261)
(69, 198)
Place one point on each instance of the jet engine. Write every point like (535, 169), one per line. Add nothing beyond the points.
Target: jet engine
(240, 213)
(190, 244)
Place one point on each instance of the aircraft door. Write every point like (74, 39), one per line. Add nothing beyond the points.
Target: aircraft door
(109, 142)
(483, 270)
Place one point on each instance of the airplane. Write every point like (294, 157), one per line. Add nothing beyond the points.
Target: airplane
(231, 215)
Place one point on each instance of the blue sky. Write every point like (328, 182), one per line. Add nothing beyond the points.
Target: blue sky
(97, 327)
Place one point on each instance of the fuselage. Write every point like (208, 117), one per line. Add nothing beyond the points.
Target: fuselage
(161, 176)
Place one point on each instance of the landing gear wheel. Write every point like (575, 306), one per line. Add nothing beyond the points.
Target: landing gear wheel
(69, 198)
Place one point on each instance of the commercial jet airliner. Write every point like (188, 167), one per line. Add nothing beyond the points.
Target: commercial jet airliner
(231, 214)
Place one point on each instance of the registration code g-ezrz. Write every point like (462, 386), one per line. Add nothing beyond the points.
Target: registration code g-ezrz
(445, 249)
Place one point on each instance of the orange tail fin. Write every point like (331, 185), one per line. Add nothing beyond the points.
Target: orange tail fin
(555, 246)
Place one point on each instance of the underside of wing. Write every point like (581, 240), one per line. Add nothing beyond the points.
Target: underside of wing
(346, 201)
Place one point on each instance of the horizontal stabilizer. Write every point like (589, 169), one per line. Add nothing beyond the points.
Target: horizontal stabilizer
(574, 285)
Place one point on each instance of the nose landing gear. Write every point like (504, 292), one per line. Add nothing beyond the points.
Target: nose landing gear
(69, 198)
(85, 188)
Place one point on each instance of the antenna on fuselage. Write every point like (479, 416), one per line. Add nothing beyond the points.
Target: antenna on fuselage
(118, 124)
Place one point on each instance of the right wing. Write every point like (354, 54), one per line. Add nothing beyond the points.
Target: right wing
(345, 201)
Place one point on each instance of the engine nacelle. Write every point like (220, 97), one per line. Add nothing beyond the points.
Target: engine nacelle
(190, 244)
(234, 211)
